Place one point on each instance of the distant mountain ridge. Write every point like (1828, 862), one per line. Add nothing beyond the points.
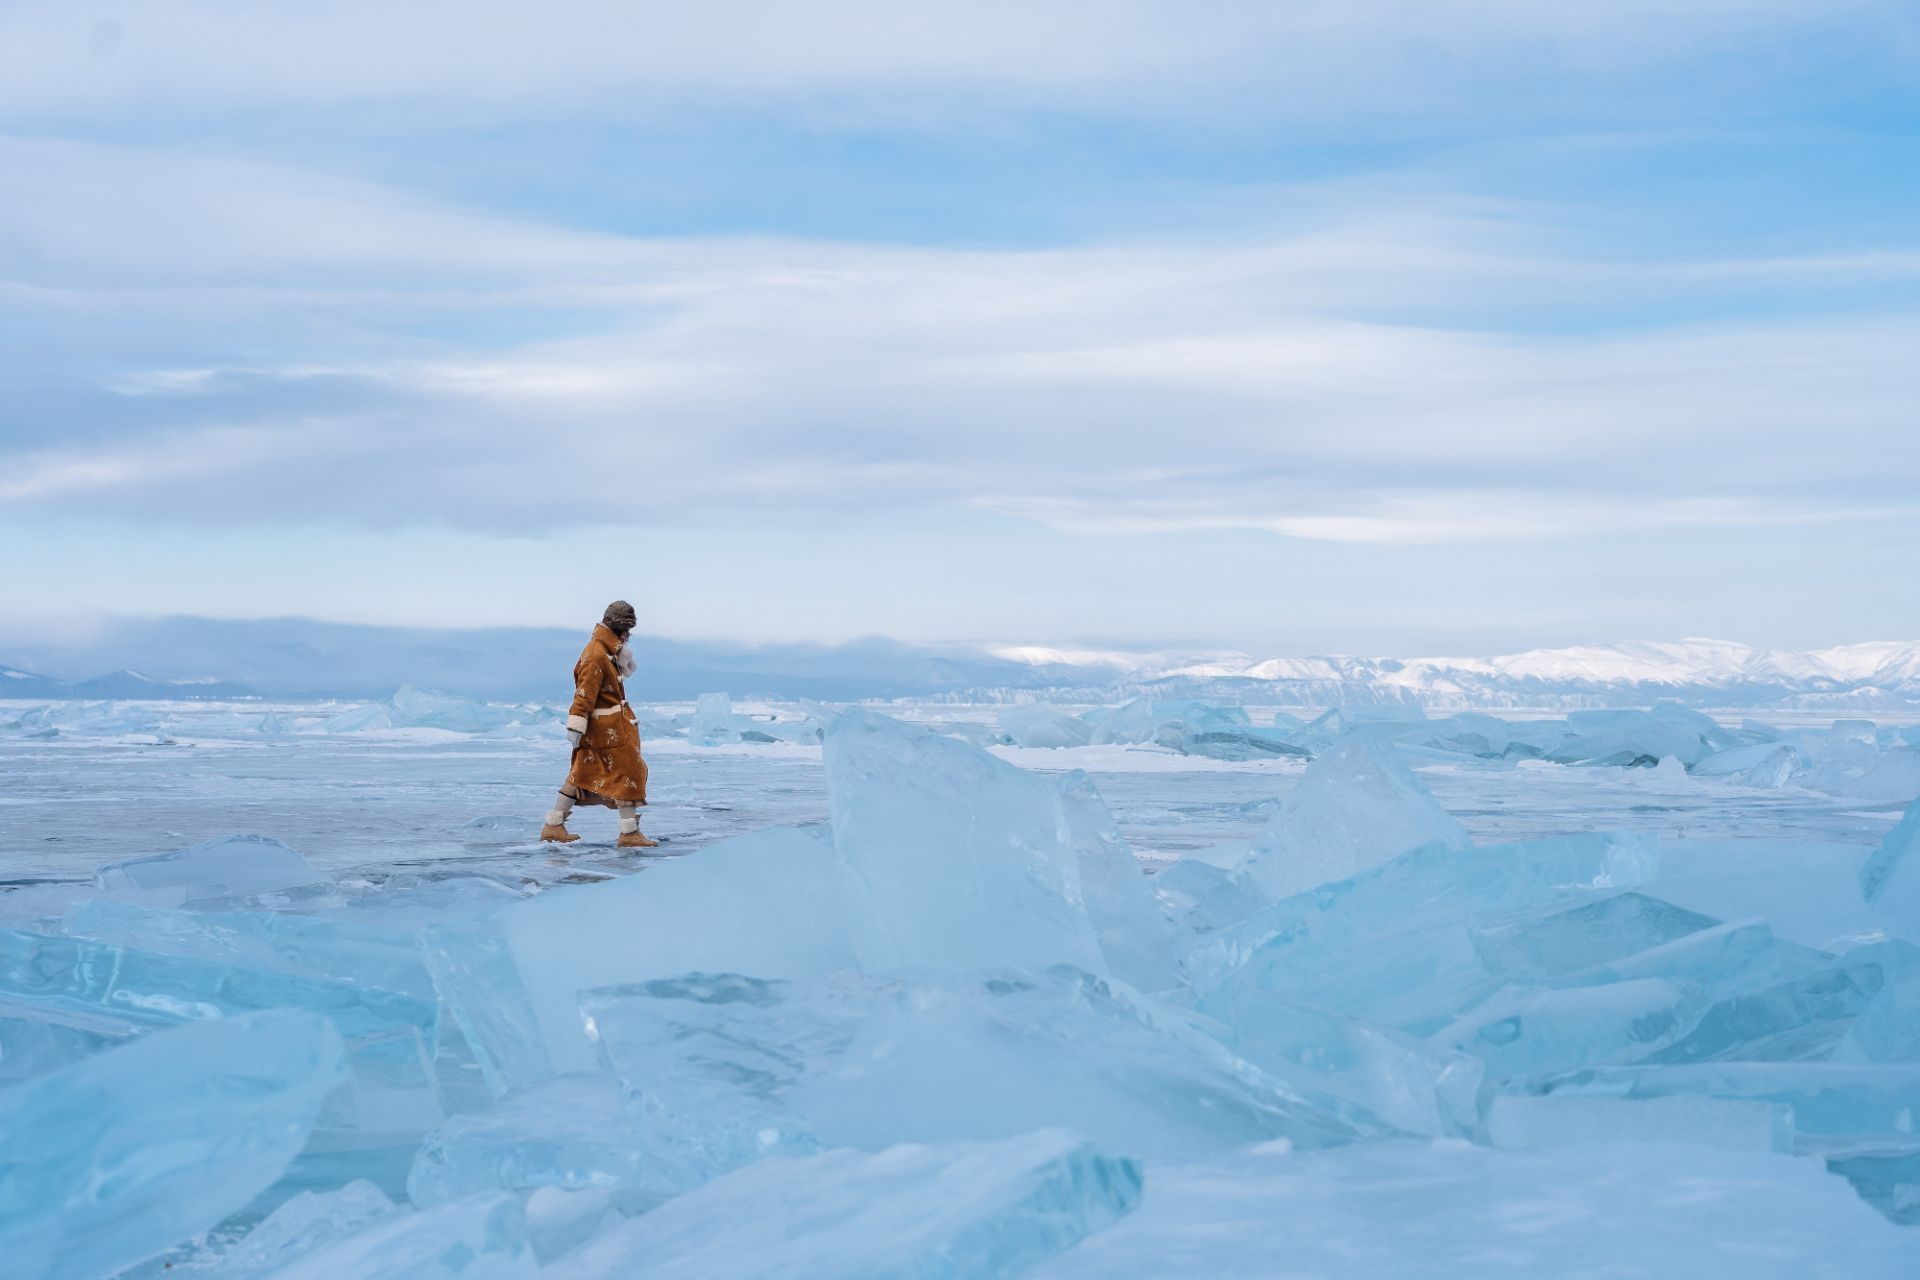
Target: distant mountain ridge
(293, 658)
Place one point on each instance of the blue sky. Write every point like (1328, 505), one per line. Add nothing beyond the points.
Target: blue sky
(1464, 325)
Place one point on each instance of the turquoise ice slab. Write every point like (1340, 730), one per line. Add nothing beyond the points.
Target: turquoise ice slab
(955, 1211)
(1523, 1122)
(1830, 1100)
(764, 904)
(127, 1153)
(341, 950)
(1395, 944)
(1409, 1084)
(1798, 1020)
(1724, 960)
(1890, 880)
(1593, 933)
(718, 1069)
(1356, 807)
(571, 1132)
(478, 1238)
(147, 988)
(1448, 1209)
(1521, 1032)
(949, 857)
(231, 865)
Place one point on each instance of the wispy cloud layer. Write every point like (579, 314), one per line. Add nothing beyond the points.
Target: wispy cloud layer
(1373, 275)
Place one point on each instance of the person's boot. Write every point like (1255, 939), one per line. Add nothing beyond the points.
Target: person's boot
(635, 840)
(557, 833)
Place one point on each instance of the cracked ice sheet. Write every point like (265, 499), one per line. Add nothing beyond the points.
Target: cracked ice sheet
(1411, 1211)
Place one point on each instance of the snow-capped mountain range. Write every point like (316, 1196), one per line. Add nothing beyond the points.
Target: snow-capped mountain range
(1882, 675)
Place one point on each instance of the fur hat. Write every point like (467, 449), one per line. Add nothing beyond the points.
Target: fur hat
(619, 617)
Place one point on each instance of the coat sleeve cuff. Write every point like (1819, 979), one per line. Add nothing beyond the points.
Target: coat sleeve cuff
(576, 724)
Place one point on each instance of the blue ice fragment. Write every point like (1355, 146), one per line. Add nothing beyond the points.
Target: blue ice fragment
(1356, 807)
(719, 1069)
(1724, 960)
(479, 1238)
(121, 1156)
(1888, 1179)
(949, 857)
(1890, 880)
(305, 1222)
(713, 721)
(1796, 1020)
(1767, 765)
(1520, 1032)
(342, 950)
(571, 1132)
(765, 904)
(1888, 1029)
(1829, 1099)
(1639, 737)
(949, 1212)
(1807, 891)
(1136, 938)
(1525, 1122)
(1036, 724)
(1395, 944)
(149, 989)
(219, 868)
(1593, 933)
(1409, 1084)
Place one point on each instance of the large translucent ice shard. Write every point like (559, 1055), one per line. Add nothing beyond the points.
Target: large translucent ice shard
(1829, 1099)
(1890, 880)
(1524, 1122)
(146, 988)
(342, 950)
(1807, 891)
(949, 857)
(1522, 1032)
(949, 1212)
(1588, 935)
(1639, 737)
(765, 904)
(1453, 1210)
(1724, 960)
(1767, 765)
(33, 1042)
(1035, 724)
(713, 723)
(217, 869)
(1395, 944)
(1135, 936)
(1888, 1029)
(1409, 1084)
(719, 1069)
(125, 1154)
(1797, 1020)
(1356, 807)
(480, 1238)
(306, 1222)
(571, 1133)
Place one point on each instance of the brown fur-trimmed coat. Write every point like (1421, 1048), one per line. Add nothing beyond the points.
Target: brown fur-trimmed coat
(607, 768)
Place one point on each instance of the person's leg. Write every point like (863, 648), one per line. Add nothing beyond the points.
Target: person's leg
(630, 837)
(556, 822)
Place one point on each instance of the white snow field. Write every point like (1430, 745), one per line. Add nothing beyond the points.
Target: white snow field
(1157, 990)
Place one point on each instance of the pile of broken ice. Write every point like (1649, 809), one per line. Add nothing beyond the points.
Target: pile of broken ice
(958, 1033)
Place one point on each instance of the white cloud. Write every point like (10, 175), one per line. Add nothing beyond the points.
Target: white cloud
(1357, 376)
(940, 59)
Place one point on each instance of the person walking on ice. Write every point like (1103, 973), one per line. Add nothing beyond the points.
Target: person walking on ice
(607, 768)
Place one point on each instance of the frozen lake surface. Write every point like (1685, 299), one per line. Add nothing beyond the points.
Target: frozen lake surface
(415, 797)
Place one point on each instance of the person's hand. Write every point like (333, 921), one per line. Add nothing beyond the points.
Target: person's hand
(573, 738)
